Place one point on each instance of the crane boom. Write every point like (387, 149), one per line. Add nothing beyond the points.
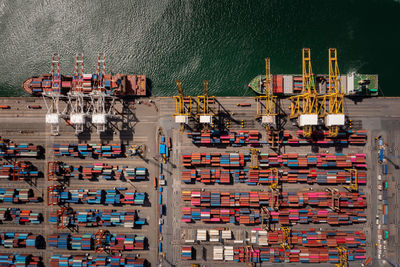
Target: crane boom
(305, 106)
(205, 85)
(266, 104)
(179, 85)
(331, 106)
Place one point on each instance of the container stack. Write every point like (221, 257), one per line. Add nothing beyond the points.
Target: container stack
(346, 137)
(17, 196)
(225, 160)
(96, 218)
(58, 260)
(11, 149)
(93, 196)
(218, 138)
(20, 260)
(19, 216)
(257, 199)
(186, 253)
(22, 170)
(88, 150)
(321, 160)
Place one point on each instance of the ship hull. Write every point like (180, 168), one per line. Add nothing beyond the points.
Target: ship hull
(352, 84)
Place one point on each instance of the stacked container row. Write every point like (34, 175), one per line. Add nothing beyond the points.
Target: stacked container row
(96, 218)
(234, 139)
(252, 216)
(18, 216)
(264, 176)
(20, 260)
(116, 242)
(21, 240)
(226, 160)
(257, 199)
(9, 195)
(21, 170)
(88, 150)
(58, 260)
(11, 149)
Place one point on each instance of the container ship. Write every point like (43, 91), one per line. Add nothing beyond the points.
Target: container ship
(353, 84)
(113, 85)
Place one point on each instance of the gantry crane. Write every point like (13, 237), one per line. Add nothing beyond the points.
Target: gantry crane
(183, 106)
(53, 195)
(331, 106)
(343, 257)
(266, 104)
(274, 174)
(254, 158)
(62, 216)
(335, 198)
(205, 105)
(76, 97)
(304, 107)
(286, 242)
(265, 216)
(353, 186)
(53, 112)
(100, 241)
(101, 102)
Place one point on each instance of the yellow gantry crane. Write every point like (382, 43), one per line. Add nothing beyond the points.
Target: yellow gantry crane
(274, 174)
(343, 257)
(205, 105)
(304, 106)
(353, 186)
(331, 106)
(286, 243)
(266, 104)
(254, 158)
(183, 106)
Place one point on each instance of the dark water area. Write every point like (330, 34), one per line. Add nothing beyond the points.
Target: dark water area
(224, 42)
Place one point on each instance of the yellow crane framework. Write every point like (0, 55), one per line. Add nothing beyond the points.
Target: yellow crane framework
(343, 257)
(205, 102)
(183, 106)
(265, 216)
(331, 106)
(266, 104)
(274, 174)
(353, 186)
(304, 106)
(335, 198)
(286, 243)
(254, 158)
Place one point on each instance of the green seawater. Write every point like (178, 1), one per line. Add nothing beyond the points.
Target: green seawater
(224, 42)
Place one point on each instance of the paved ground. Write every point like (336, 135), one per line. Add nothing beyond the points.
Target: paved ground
(139, 125)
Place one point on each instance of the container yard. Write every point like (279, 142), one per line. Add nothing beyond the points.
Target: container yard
(196, 180)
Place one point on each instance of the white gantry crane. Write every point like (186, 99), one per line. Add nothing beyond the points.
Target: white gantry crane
(101, 103)
(76, 95)
(51, 97)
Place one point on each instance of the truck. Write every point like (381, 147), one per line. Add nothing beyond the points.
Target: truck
(155, 182)
(385, 169)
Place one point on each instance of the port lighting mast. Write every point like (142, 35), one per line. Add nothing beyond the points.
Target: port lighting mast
(332, 103)
(76, 97)
(205, 106)
(53, 112)
(266, 104)
(183, 107)
(304, 107)
(101, 103)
